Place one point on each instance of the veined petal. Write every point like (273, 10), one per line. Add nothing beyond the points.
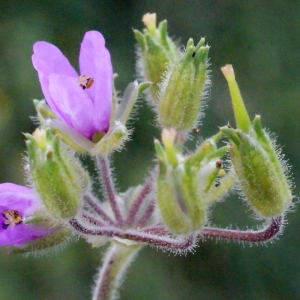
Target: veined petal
(72, 104)
(94, 61)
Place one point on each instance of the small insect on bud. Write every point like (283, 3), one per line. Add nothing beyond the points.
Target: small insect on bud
(196, 130)
(11, 218)
(85, 81)
(219, 164)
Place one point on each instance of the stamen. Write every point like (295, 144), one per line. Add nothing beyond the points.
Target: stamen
(11, 218)
(85, 81)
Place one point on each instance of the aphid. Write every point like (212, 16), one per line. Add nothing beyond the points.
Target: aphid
(11, 218)
(85, 81)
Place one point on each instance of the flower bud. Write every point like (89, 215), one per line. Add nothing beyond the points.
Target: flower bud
(256, 162)
(179, 200)
(157, 51)
(57, 177)
(183, 88)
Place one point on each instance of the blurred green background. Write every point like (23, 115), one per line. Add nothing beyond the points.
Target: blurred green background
(261, 39)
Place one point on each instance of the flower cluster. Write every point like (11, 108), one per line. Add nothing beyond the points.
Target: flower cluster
(82, 113)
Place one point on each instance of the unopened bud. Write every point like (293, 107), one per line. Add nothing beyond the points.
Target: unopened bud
(57, 177)
(255, 160)
(157, 51)
(179, 200)
(183, 88)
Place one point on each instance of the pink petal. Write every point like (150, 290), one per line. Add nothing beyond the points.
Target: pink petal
(22, 199)
(53, 60)
(74, 106)
(94, 61)
(48, 59)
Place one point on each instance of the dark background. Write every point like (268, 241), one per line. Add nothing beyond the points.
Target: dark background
(261, 39)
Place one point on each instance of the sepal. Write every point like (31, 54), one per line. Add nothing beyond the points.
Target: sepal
(57, 176)
(179, 199)
(260, 173)
(183, 88)
(157, 52)
(256, 162)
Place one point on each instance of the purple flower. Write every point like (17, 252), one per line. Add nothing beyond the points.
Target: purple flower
(83, 102)
(16, 204)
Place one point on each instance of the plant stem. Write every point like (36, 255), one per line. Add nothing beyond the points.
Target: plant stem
(92, 219)
(138, 201)
(147, 214)
(116, 260)
(98, 209)
(108, 185)
(251, 236)
(164, 241)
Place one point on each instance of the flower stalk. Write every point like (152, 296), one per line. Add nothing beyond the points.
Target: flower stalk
(115, 262)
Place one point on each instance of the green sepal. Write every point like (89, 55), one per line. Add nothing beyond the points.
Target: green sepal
(193, 200)
(56, 176)
(263, 182)
(218, 190)
(231, 134)
(44, 112)
(157, 52)
(182, 90)
(210, 179)
(179, 199)
(168, 195)
(240, 112)
(206, 149)
(111, 141)
(126, 103)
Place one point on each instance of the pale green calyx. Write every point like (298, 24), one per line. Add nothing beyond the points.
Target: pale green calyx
(157, 51)
(257, 164)
(58, 178)
(183, 88)
(179, 199)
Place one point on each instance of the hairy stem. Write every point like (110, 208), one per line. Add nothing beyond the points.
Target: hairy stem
(108, 185)
(138, 201)
(92, 219)
(164, 241)
(251, 236)
(116, 260)
(146, 215)
(98, 209)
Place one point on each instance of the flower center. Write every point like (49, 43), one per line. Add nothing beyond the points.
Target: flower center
(85, 81)
(11, 218)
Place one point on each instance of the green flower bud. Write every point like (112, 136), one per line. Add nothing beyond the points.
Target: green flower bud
(179, 200)
(57, 178)
(256, 162)
(157, 51)
(183, 88)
